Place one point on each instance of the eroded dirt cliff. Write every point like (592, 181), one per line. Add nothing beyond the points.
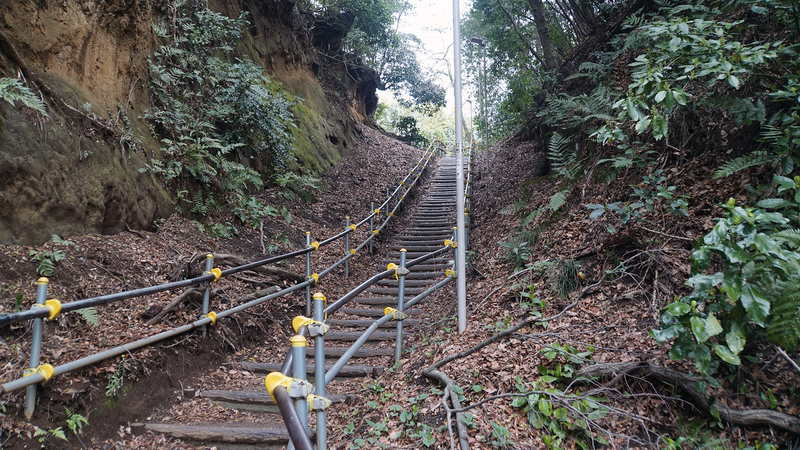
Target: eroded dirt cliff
(78, 169)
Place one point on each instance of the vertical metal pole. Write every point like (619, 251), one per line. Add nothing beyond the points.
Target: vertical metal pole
(401, 287)
(299, 344)
(308, 274)
(346, 247)
(461, 254)
(207, 293)
(319, 371)
(485, 117)
(371, 225)
(387, 201)
(36, 345)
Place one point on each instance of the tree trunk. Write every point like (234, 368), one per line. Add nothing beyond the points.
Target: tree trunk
(548, 50)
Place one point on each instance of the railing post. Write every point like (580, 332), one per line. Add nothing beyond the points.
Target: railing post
(455, 259)
(319, 371)
(401, 284)
(36, 345)
(207, 293)
(371, 225)
(387, 201)
(346, 246)
(308, 274)
(299, 344)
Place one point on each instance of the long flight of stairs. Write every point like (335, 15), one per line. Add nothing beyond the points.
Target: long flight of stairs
(429, 225)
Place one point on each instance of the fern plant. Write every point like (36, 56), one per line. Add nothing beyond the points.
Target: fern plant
(12, 90)
(89, 315)
(211, 113)
(563, 157)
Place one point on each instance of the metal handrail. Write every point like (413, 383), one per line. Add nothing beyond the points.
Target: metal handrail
(294, 424)
(37, 375)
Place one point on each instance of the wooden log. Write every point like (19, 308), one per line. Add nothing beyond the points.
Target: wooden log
(352, 336)
(262, 398)
(221, 433)
(335, 352)
(409, 282)
(224, 259)
(375, 312)
(366, 323)
(347, 371)
(393, 291)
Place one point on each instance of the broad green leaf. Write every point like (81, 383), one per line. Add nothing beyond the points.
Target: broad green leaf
(667, 333)
(726, 355)
(713, 326)
(678, 308)
(660, 96)
(659, 126)
(642, 124)
(699, 329)
(705, 282)
(733, 81)
(545, 407)
(772, 203)
(755, 303)
(736, 338)
(596, 213)
(702, 358)
(680, 97)
(764, 243)
(732, 284)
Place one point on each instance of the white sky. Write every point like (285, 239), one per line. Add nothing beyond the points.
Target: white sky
(432, 22)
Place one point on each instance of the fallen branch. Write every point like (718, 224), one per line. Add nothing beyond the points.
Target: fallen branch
(688, 384)
(224, 259)
(198, 293)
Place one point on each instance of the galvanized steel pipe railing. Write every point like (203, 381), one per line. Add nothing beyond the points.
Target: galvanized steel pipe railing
(305, 327)
(37, 373)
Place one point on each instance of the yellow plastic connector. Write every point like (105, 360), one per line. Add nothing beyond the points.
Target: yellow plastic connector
(315, 277)
(217, 272)
(276, 379)
(396, 315)
(46, 370)
(52, 305)
(402, 198)
(450, 243)
(314, 244)
(374, 231)
(450, 273)
(213, 316)
(42, 280)
(377, 211)
(402, 183)
(390, 214)
(352, 251)
(353, 227)
(393, 266)
(300, 321)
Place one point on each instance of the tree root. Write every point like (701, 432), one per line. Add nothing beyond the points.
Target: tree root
(688, 384)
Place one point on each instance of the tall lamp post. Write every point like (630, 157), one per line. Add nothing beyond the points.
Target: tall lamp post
(461, 251)
(482, 43)
(471, 129)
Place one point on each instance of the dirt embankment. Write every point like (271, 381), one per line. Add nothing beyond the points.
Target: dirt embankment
(77, 170)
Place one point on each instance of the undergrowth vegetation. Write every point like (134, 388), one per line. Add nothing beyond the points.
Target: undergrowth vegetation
(644, 103)
(224, 124)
